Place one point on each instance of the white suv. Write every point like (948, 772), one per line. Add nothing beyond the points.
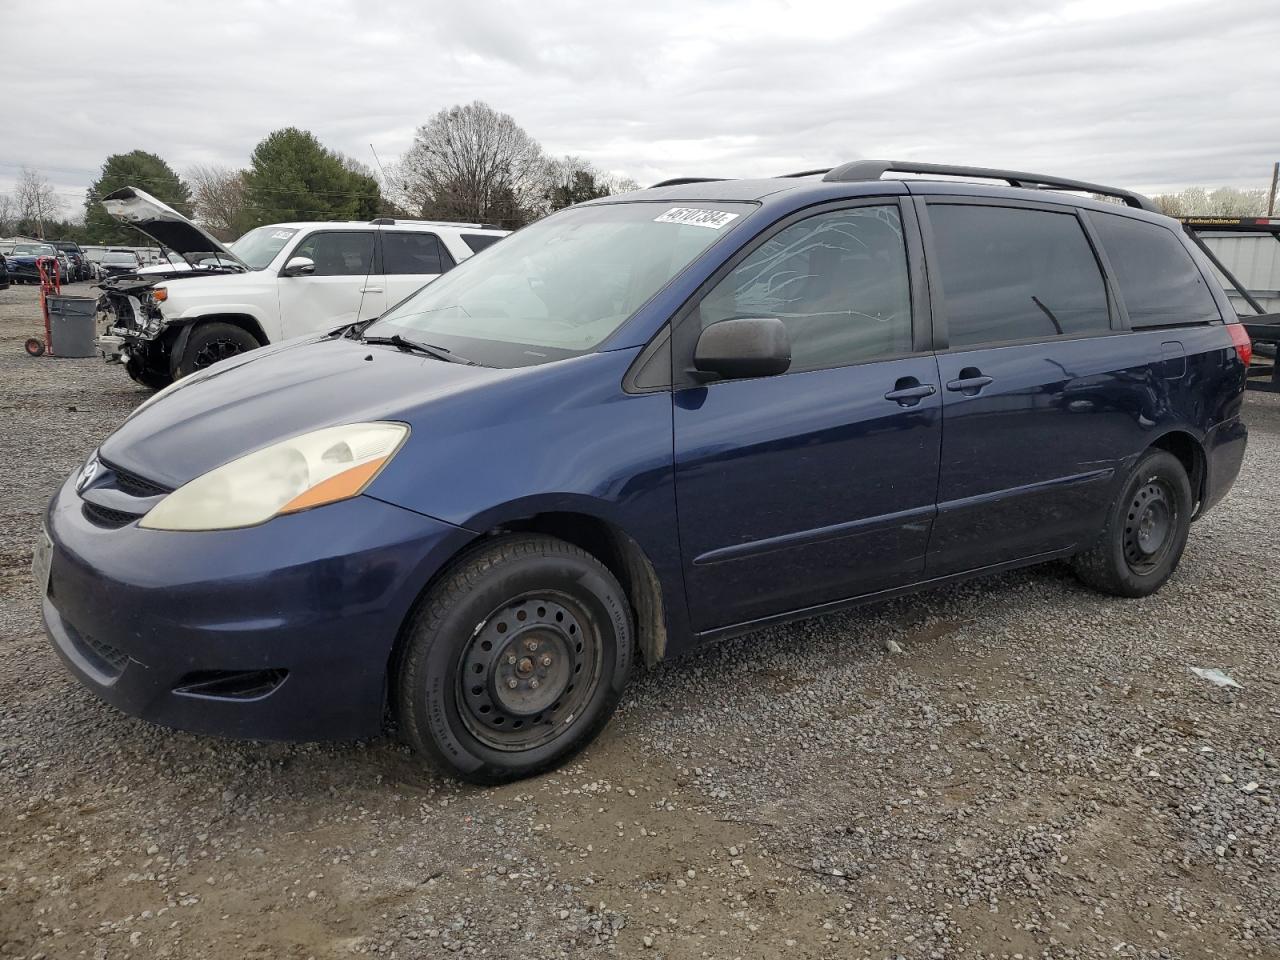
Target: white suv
(276, 282)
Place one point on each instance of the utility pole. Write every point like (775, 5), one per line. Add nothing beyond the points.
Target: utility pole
(1275, 176)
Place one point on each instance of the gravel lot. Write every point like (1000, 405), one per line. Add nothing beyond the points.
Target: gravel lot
(1037, 774)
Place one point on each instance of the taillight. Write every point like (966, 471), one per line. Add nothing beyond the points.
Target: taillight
(1240, 337)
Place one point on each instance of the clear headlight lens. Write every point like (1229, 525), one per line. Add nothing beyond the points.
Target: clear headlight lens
(321, 467)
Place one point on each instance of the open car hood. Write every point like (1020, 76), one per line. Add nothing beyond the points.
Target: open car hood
(165, 225)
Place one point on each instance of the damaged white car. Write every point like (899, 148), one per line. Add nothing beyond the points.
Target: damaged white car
(274, 283)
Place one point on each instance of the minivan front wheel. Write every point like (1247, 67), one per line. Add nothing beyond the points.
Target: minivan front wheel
(515, 660)
(1146, 530)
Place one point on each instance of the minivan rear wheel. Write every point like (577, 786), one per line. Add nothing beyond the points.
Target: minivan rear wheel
(1146, 530)
(515, 660)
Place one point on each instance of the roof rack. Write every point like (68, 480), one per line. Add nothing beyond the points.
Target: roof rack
(393, 221)
(680, 181)
(875, 169)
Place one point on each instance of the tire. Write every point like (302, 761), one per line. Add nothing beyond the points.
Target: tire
(1146, 530)
(515, 660)
(147, 376)
(210, 342)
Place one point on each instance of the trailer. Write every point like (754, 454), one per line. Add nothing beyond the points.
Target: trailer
(1245, 252)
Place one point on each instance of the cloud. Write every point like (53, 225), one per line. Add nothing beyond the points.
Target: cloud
(1151, 95)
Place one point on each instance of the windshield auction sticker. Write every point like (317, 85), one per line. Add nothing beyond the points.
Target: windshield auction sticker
(715, 219)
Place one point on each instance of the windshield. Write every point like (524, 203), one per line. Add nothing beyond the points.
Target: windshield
(128, 258)
(259, 247)
(561, 286)
(34, 250)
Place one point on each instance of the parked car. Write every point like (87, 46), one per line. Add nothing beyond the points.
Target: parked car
(79, 269)
(118, 263)
(22, 261)
(274, 283)
(637, 425)
(4, 273)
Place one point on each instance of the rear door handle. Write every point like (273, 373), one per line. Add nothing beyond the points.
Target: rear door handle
(909, 391)
(371, 290)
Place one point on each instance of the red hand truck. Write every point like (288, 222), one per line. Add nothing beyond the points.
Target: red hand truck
(50, 283)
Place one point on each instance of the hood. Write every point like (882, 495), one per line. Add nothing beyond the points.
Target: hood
(165, 225)
(249, 402)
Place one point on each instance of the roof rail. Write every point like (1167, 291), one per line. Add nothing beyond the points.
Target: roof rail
(679, 181)
(393, 221)
(875, 169)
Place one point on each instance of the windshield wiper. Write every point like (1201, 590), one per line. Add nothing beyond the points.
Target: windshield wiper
(430, 349)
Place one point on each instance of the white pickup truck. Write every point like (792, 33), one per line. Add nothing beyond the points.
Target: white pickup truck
(274, 283)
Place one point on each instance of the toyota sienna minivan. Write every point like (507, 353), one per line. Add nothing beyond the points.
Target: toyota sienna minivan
(639, 424)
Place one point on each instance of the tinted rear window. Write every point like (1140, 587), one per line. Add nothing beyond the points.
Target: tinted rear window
(478, 241)
(1010, 273)
(1159, 282)
(414, 253)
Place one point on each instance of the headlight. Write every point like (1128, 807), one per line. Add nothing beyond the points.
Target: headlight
(321, 467)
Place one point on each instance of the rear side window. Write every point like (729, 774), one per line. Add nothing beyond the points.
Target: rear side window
(837, 280)
(348, 253)
(478, 241)
(1159, 282)
(1010, 273)
(414, 253)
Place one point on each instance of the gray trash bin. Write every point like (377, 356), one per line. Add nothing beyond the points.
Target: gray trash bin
(71, 326)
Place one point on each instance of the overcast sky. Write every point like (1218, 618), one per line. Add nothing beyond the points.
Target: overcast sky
(1151, 95)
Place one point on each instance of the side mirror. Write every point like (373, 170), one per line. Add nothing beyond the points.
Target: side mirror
(751, 347)
(299, 267)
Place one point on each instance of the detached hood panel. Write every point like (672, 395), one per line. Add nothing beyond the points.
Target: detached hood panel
(165, 225)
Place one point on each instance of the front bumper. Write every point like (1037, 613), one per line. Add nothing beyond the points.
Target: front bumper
(278, 632)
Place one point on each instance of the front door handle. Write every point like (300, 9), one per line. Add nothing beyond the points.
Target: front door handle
(909, 391)
(970, 382)
(371, 290)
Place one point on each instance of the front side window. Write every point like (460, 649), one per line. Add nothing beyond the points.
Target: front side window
(408, 253)
(1159, 282)
(345, 253)
(838, 281)
(1011, 273)
(560, 286)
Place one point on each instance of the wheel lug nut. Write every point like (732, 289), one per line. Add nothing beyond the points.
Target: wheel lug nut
(546, 661)
(533, 682)
(512, 683)
(531, 645)
(511, 660)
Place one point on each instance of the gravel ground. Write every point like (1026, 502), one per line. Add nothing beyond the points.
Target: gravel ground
(1037, 774)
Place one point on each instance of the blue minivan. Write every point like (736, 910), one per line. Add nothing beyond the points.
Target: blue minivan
(639, 424)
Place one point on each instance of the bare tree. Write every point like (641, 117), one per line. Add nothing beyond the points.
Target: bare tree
(570, 179)
(472, 162)
(8, 215)
(1223, 202)
(36, 199)
(218, 196)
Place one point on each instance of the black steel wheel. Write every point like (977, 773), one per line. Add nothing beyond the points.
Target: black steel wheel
(1149, 526)
(515, 660)
(212, 342)
(535, 662)
(1146, 530)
